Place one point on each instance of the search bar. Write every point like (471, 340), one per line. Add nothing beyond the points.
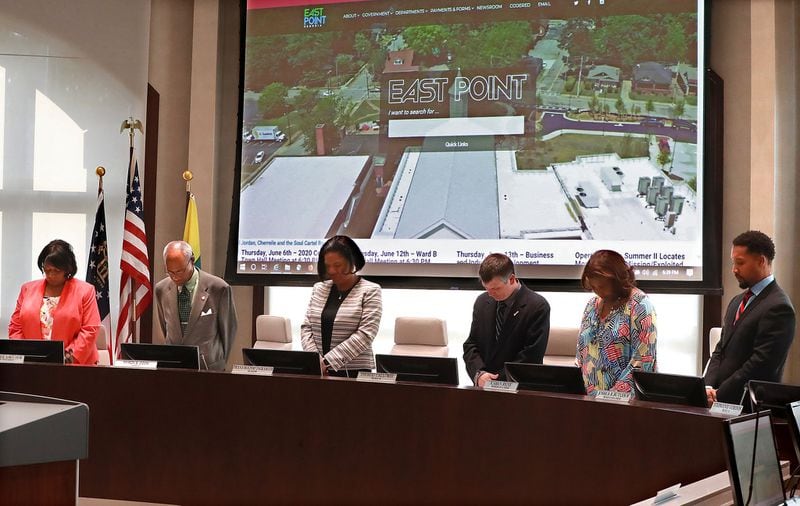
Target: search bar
(457, 127)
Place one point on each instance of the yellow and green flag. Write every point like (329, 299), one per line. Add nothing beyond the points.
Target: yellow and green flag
(191, 230)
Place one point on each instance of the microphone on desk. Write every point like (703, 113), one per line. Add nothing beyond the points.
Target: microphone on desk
(745, 390)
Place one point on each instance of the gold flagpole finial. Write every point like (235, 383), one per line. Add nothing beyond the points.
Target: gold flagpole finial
(131, 124)
(100, 171)
(188, 176)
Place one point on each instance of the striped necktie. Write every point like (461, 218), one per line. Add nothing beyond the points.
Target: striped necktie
(184, 307)
(499, 318)
(742, 305)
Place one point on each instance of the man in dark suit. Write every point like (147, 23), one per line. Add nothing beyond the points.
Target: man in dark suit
(195, 308)
(758, 327)
(510, 323)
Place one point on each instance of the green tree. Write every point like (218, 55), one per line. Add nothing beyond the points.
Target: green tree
(650, 106)
(362, 44)
(426, 39)
(594, 104)
(620, 106)
(346, 115)
(678, 109)
(323, 113)
(304, 51)
(606, 109)
(693, 183)
(676, 43)
(493, 45)
(305, 100)
(569, 84)
(633, 38)
(263, 55)
(343, 66)
(272, 101)
(663, 158)
(576, 37)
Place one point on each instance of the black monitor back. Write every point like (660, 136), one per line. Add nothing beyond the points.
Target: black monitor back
(168, 356)
(793, 411)
(439, 370)
(772, 396)
(34, 350)
(284, 361)
(749, 439)
(547, 378)
(670, 388)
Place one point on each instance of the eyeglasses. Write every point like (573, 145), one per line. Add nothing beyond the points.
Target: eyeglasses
(181, 271)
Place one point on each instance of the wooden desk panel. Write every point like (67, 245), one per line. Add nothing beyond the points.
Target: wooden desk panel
(214, 438)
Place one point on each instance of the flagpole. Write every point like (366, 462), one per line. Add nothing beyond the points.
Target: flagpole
(131, 125)
(97, 270)
(191, 228)
(110, 337)
(188, 176)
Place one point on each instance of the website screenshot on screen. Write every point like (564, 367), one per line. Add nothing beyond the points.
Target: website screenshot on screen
(435, 133)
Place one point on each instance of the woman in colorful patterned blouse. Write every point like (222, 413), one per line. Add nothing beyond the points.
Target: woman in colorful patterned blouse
(618, 330)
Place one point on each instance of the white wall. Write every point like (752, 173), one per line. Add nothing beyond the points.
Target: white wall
(73, 71)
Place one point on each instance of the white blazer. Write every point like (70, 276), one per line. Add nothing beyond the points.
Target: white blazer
(354, 328)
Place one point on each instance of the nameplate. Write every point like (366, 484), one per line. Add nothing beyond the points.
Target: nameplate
(136, 364)
(725, 408)
(501, 386)
(667, 494)
(612, 395)
(255, 370)
(6, 358)
(377, 377)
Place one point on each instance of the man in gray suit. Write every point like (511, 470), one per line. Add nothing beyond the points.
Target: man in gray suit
(759, 324)
(195, 308)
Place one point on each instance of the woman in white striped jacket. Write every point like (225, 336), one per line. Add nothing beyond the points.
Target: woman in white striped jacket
(344, 313)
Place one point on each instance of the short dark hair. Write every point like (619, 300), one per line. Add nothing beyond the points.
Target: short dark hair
(756, 242)
(344, 246)
(59, 254)
(609, 265)
(494, 265)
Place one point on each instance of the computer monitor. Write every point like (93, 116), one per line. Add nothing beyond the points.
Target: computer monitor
(284, 361)
(773, 396)
(546, 378)
(34, 350)
(752, 458)
(670, 388)
(793, 410)
(441, 370)
(168, 356)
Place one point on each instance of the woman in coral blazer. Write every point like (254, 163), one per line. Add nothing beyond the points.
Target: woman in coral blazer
(58, 307)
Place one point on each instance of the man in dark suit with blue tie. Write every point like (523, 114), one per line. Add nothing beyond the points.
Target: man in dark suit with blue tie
(510, 323)
(758, 327)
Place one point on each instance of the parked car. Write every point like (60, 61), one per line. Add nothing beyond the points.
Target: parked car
(259, 157)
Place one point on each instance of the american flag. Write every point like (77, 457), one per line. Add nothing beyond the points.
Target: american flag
(134, 286)
(97, 271)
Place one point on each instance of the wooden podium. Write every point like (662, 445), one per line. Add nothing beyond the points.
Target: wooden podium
(41, 440)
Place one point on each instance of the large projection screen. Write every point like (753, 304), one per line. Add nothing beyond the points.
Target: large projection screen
(435, 132)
